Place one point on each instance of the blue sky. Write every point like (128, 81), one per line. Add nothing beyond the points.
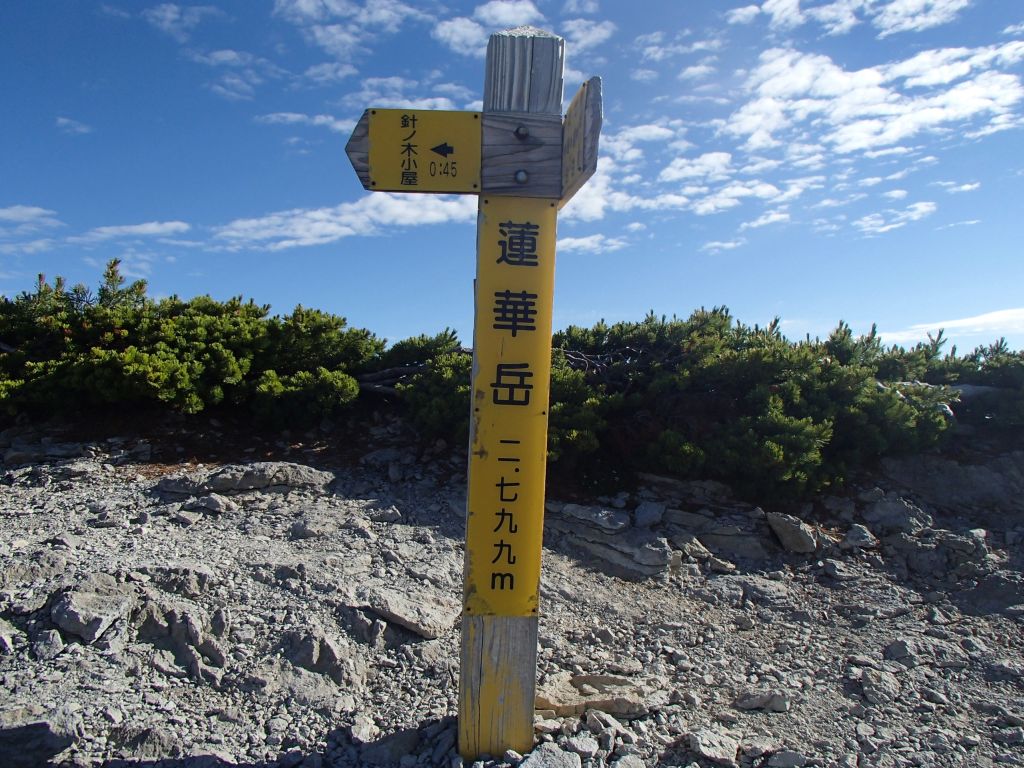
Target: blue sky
(815, 160)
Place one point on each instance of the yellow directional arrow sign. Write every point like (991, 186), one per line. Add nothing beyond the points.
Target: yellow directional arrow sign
(411, 150)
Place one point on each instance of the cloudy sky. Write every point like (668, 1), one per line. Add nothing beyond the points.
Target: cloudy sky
(815, 160)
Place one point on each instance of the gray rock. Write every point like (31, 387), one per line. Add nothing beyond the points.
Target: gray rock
(764, 591)
(213, 502)
(858, 537)
(30, 736)
(787, 758)
(769, 701)
(914, 651)
(629, 761)
(89, 610)
(235, 478)
(995, 487)
(328, 656)
(48, 645)
(429, 615)
(608, 520)
(719, 748)
(896, 515)
(736, 542)
(634, 553)
(880, 687)
(550, 755)
(584, 745)
(8, 633)
(391, 749)
(794, 534)
(568, 694)
(649, 514)
(152, 743)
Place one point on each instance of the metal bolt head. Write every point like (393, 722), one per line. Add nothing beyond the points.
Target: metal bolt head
(522, 132)
(522, 177)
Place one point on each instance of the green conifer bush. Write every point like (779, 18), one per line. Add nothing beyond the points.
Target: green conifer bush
(701, 397)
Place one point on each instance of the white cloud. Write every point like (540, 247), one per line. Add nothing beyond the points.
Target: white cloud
(339, 40)
(716, 246)
(28, 214)
(1014, 29)
(72, 127)
(644, 75)
(622, 145)
(373, 214)
(991, 324)
(591, 244)
(146, 229)
(860, 110)
(785, 14)
(398, 92)
(743, 15)
(954, 187)
(732, 195)
(968, 223)
(178, 21)
(462, 35)
(879, 223)
(320, 121)
(386, 15)
(580, 6)
(329, 72)
(945, 65)
(501, 14)
(584, 33)
(710, 165)
(838, 17)
(696, 72)
(916, 15)
(599, 196)
(895, 194)
(768, 217)
(30, 247)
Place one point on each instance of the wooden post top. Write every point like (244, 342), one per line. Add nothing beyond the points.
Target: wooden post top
(524, 71)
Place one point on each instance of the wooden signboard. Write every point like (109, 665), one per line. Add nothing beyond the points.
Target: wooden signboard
(524, 163)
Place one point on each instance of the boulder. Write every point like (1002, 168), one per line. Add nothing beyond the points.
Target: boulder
(716, 747)
(794, 534)
(649, 514)
(88, 610)
(328, 656)
(893, 514)
(550, 755)
(31, 735)
(770, 701)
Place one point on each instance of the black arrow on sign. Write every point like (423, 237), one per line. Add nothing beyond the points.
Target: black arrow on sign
(443, 149)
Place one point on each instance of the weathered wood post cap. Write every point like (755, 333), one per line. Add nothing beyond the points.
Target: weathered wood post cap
(524, 71)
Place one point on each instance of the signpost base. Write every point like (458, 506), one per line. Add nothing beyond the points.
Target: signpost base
(497, 685)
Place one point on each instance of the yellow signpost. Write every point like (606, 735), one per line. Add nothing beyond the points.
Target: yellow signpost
(524, 162)
(511, 380)
(414, 150)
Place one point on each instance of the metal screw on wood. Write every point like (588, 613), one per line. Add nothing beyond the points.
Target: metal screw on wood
(522, 177)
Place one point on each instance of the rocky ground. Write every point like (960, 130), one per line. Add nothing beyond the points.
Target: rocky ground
(155, 611)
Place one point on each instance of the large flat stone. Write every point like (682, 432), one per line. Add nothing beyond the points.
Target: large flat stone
(568, 694)
(429, 615)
